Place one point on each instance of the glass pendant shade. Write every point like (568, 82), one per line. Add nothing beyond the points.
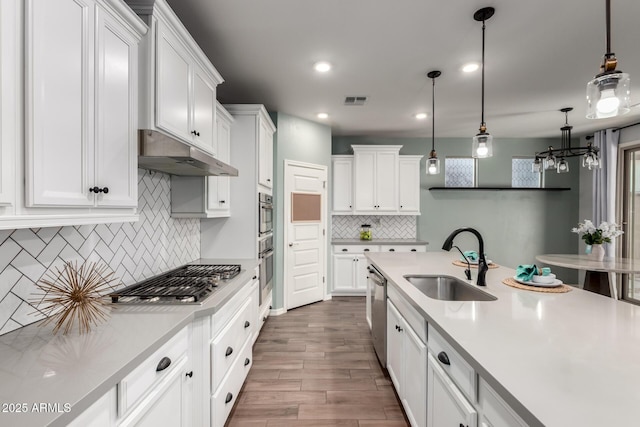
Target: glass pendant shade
(608, 95)
(433, 166)
(590, 160)
(550, 162)
(536, 167)
(563, 166)
(482, 145)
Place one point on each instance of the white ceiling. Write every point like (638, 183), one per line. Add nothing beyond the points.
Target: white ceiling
(539, 56)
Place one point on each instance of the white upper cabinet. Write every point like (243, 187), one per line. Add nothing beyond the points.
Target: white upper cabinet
(265, 151)
(376, 180)
(178, 82)
(81, 104)
(409, 184)
(342, 187)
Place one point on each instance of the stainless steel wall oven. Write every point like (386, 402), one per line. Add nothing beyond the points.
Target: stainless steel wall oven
(265, 214)
(266, 267)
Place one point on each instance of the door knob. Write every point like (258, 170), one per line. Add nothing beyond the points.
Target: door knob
(290, 244)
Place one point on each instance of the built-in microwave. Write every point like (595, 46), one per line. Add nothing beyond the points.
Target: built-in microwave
(265, 214)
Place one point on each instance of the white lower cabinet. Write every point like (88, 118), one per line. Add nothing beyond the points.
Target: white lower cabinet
(101, 414)
(494, 412)
(447, 406)
(159, 390)
(407, 366)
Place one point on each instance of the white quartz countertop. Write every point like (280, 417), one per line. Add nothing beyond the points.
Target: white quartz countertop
(378, 242)
(39, 367)
(564, 359)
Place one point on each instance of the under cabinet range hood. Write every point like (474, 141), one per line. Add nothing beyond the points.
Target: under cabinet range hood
(160, 152)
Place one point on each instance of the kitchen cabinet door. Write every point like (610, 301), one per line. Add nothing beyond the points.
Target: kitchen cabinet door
(343, 272)
(265, 151)
(203, 126)
(100, 414)
(494, 412)
(409, 184)
(10, 122)
(364, 164)
(218, 187)
(116, 155)
(173, 108)
(60, 63)
(386, 182)
(342, 184)
(446, 405)
(360, 271)
(415, 374)
(395, 347)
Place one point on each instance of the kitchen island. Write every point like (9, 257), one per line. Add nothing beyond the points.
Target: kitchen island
(557, 359)
(47, 380)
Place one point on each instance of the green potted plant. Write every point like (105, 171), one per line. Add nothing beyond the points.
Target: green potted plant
(595, 237)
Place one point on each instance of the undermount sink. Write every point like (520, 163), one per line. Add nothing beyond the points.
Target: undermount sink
(447, 288)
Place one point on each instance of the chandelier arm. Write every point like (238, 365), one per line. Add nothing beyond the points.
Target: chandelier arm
(433, 114)
(608, 15)
(483, 29)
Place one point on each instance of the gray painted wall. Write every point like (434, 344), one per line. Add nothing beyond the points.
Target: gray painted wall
(515, 225)
(304, 141)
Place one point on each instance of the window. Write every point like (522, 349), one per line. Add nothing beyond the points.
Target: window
(522, 175)
(631, 219)
(459, 172)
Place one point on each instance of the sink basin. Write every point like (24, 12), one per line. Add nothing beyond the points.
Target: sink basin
(448, 288)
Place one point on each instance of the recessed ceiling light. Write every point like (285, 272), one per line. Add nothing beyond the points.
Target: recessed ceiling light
(470, 67)
(323, 116)
(322, 66)
(421, 116)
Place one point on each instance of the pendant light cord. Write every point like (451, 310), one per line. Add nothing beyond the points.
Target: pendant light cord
(608, 26)
(483, 27)
(433, 114)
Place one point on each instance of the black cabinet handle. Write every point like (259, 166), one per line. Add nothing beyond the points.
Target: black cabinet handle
(400, 329)
(397, 327)
(189, 374)
(196, 133)
(268, 179)
(246, 361)
(414, 250)
(344, 250)
(229, 398)
(228, 352)
(392, 250)
(247, 324)
(254, 277)
(367, 250)
(222, 201)
(163, 364)
(443, 358)
(97, 190)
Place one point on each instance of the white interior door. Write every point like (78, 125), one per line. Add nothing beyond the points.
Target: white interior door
(305, 237)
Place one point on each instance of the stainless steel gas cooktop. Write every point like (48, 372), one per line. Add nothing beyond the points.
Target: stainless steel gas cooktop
(190, 284)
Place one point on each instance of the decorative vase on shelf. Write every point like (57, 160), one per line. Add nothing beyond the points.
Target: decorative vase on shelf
(595, 252)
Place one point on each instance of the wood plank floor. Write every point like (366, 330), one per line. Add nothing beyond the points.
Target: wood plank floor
(315, 366)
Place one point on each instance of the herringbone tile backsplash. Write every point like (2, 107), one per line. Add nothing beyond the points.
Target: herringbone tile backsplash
(382, 227)
(134, 250)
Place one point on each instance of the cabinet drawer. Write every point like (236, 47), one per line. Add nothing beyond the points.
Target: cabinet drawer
(222, 317)
(355, 249)
(225, 348)
(458, 369)
(145, 377)
(223, 400)
(403, 248)
(495, 411)
(410, 314)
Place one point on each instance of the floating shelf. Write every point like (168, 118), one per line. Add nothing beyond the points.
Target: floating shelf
(499, 189)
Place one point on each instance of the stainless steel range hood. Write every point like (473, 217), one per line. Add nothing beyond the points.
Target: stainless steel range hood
(160, 152)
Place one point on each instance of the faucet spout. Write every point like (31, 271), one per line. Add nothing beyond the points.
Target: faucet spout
(482, 262)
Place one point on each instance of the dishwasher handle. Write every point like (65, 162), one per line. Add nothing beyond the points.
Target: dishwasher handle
(376, 278)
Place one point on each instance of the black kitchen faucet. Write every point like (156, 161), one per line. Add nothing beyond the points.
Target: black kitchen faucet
(482, 262)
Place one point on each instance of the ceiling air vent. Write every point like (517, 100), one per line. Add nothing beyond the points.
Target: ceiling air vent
(355, 100)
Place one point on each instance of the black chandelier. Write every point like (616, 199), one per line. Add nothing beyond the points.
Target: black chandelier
(556, 158)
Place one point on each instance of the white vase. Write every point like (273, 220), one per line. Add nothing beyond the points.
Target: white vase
(597, 252)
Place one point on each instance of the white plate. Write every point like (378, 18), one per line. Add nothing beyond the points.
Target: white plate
(554, 284)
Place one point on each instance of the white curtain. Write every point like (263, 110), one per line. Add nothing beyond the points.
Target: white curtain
(604, 181)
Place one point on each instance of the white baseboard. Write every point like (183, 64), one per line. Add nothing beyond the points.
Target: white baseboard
(277, 311)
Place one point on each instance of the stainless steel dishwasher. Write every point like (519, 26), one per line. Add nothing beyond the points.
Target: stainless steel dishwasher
(378, 313)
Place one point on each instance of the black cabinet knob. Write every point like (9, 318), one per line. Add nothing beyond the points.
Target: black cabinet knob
(254, 277)
(246, 361)
(443, 358)
(97, 190)
(247, 324)
(268, 179)
(222, 201)
(228, 352)
(349, 206)
(189, 374)
(229, 398)
(163, 364)
(196, 133)
(400, 329)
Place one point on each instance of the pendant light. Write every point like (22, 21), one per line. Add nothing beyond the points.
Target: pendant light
(433, 163)
(483, 141)
(608, 93)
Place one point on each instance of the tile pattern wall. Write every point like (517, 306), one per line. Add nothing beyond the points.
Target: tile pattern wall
(382, 227)
(133, 250)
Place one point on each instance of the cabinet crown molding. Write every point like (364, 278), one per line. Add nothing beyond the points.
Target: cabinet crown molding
(377, 148)
(125, 13)
(251, 110)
